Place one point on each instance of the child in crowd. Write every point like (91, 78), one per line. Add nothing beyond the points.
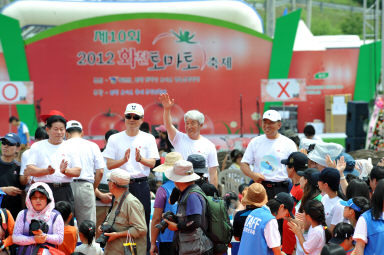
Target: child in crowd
(87, 231)
(6, 231)
(342, 235)
(329, 182)
(354, 207)
(70, 232)
(369, 231)
(318, 233)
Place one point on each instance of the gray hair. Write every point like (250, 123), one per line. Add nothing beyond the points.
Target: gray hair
(194, 115)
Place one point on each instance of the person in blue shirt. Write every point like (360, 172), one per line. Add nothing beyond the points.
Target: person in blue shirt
(369, 230)
(261, 232)
(22, 130)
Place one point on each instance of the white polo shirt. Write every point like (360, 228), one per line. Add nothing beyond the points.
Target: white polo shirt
(266, 155)
(120, 142)
(187, 146)
(90, 157)
(43, 153)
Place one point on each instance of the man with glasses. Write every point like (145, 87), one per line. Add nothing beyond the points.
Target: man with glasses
(10, 180)
(135, 152)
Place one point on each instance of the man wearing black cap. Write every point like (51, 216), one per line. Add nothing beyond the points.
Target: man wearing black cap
(296, 161)
(199, 167)
(10, 180)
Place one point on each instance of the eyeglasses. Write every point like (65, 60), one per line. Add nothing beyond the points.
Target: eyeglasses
(134, 116)
(6, 142)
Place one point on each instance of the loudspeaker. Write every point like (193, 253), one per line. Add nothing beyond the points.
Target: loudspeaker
(354, 143)
(357, 118)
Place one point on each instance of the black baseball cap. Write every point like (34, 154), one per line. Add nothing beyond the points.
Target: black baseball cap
(333, 249)
(331, 176)
(198, 162)
(341, 232)
(287, 200)
(311, 175)
(296, 159)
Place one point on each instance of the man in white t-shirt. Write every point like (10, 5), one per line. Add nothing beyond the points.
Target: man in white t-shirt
(53, 161)
(191, 142)
(265, 153)
(136, 152)
(92, 166)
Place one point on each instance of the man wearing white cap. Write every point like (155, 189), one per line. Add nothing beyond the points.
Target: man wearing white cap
(192, 142)
(189, 229)
(92, 166)
(265, 153)
(135, 152)
(126, 216)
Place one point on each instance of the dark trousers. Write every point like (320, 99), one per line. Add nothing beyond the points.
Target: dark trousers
(166, 248)
(64, 193)
(141, 191)
(273, 188)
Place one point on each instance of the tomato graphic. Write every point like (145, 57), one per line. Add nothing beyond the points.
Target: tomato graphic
(103, 122)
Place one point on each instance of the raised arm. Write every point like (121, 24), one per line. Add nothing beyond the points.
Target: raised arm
(168, 103)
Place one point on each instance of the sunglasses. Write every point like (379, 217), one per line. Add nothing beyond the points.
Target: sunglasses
(134, 116)
(5, 142)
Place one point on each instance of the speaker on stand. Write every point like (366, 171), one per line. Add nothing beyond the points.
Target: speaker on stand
(356, 126)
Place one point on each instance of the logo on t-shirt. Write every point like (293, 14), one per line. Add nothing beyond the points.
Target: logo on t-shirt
(269, 163)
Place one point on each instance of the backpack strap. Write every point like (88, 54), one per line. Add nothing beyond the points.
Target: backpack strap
(54, 217)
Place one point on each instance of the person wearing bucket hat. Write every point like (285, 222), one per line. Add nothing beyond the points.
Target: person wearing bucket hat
(261, 228)
(161, 206)
(136, 152)
(199, 166)
(191, 141)
(265, 153)
(318, 233)
(255, 197)
(129, 220)
(190, 228)
(343, 236)
(318, 155)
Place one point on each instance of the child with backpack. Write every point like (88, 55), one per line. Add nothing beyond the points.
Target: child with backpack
(70, 232)
(87, 231)
(6, 231)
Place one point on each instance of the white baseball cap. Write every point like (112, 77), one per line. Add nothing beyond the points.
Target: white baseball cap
(73, 124)
(272, 115)
(134, 108)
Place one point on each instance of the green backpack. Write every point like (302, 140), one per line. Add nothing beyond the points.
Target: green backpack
(219, 226)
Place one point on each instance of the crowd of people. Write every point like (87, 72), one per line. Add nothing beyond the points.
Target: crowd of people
(305, 196)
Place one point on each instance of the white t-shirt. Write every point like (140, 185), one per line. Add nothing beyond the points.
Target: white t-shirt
(299, 249)
(43, 153)
(315, 240)
(332, 210)
(93, 249)
(24, 158)
(187, 146)
(120, 142)
(361, 229)
(90, 157)
(272, 234)
(266, 155)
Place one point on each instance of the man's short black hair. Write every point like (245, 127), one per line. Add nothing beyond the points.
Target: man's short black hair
(64, 208)
(55, 118)
(12, 118)
(41, 134)
(309, 130)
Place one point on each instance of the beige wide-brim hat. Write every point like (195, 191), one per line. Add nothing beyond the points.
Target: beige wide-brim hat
(256, 195)
(182, 172)
(170, 160)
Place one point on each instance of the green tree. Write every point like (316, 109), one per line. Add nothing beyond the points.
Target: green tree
(352, 24)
